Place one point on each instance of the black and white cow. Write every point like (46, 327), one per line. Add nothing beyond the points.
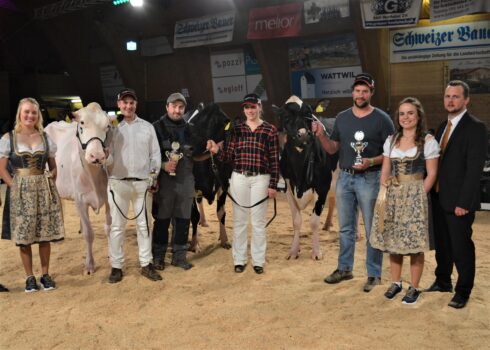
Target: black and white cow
(211, 176)
(306, 169)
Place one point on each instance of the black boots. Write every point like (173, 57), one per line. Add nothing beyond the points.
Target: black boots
(179, 258)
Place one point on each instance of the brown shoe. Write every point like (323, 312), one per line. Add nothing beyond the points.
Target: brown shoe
(149, 272)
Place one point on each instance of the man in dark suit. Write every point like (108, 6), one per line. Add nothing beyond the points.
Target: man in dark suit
(456, 195)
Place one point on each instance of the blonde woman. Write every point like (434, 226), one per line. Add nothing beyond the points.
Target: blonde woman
(35, 206)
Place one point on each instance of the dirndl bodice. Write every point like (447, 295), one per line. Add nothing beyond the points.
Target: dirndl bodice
(36, 215)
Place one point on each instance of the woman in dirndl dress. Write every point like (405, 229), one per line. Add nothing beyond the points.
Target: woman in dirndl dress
(401, 219)
(36, 216)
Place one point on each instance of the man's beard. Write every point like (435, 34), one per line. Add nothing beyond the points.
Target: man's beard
(362, 105)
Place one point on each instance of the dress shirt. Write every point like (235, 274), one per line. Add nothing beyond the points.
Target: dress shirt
(454, 123)
(134, 151)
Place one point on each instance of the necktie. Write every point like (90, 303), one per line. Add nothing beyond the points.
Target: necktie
(445, 137)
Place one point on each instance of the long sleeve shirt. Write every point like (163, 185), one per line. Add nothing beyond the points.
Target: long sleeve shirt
(254, 151)
(134, 151)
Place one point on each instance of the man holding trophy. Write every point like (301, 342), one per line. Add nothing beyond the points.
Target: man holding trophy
(358, 135)
(175, 184)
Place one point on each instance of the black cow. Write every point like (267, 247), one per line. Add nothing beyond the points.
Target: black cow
(306, 168)
(211, 176)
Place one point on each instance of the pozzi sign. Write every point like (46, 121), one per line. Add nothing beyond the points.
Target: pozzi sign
(275, 21)
(448, 42)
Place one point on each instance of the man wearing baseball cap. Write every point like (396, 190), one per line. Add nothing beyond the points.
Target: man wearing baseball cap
(358, 135)
(133, 163)
(175, 184)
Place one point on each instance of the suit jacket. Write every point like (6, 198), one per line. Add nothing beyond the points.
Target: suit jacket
(461, 165)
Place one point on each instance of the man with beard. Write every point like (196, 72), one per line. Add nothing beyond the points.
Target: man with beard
(456, 196)
(176, 184)
(359, 134)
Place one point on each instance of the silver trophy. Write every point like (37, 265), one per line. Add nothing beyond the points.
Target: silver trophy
(174, 155)
(358, 146)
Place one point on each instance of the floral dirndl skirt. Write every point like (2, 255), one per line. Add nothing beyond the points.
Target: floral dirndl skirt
(36, 215)
(401, 219)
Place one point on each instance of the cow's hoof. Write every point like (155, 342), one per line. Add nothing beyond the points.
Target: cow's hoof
(226, 245)
(292, 256)
(88, 272)
(317, 257)
(204, 224)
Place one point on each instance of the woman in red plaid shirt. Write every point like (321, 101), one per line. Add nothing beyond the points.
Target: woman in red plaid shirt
(254, 152)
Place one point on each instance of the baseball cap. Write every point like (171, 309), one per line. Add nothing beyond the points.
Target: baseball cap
(127, 92)
(176, 96)
(364, 78)
(251, 99)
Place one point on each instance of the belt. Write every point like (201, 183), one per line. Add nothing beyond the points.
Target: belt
(132, 179)
(354, 171)
(248, 173)
(28, 171)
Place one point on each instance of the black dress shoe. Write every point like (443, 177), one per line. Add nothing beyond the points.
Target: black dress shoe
(458, 301)
(258, 270)
(239, 268)
(439, 287)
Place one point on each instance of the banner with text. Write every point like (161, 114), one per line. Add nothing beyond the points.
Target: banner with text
(236, 73)
(447, 42)
(324, 82)
(445, 9)
(324, 67)
(275, 21)
(204, 30)
(389, 13)
(325, 10)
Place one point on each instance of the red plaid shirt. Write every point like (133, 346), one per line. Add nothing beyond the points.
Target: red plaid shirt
(256, 152)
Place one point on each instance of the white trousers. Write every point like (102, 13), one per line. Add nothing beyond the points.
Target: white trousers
(126, 192)
(248, 191)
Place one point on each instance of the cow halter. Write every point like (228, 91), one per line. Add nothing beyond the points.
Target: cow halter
(84, 145)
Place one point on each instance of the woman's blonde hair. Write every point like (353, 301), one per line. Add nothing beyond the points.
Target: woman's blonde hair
(39, 124)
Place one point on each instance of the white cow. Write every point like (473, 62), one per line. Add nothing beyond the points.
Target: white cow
(80, 163)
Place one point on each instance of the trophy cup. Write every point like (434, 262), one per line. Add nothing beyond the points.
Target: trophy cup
(358, 146)
(174, 154)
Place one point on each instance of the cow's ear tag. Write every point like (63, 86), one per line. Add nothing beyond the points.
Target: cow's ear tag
(227, 126)
(319, 109)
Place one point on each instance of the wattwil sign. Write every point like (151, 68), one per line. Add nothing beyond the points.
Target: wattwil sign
(448, 42)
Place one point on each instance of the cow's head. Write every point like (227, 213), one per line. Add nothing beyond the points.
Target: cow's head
(207, 123)
(93, 126)
(295, 119)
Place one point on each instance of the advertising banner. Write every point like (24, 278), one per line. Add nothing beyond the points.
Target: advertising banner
(236, 73)
(445, 9)
(389, 13)
(324, 82)
(229, 89)
(227, 63)
(317, 66)
(275, 21)
(204, 30)
(324, 10)
(448, 42)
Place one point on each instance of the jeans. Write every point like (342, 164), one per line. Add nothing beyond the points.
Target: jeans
(353, 191)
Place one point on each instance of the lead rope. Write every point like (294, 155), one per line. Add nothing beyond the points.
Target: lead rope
(215, 172)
